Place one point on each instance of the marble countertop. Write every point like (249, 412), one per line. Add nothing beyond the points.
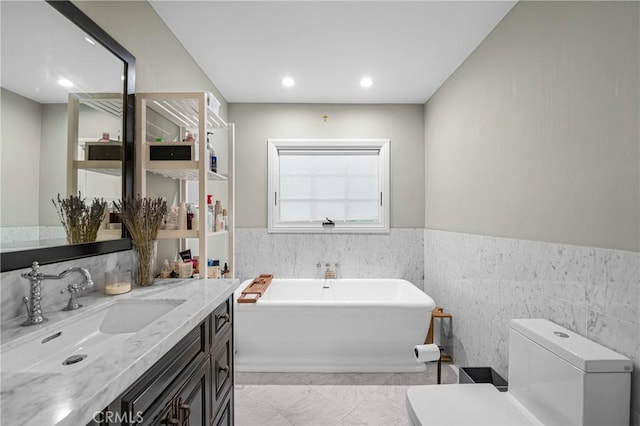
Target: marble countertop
(38, 398)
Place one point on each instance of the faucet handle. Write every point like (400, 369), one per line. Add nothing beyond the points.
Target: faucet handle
(337, 265)
(72, 289)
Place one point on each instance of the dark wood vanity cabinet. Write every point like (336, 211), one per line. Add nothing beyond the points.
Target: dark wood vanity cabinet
(191, 385)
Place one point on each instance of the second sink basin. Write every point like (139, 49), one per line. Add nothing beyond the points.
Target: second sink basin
(79, 342)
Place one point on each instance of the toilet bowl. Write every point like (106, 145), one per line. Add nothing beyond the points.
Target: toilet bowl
(556, 377)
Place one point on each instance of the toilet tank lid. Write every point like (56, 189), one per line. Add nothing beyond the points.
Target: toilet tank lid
(583, 353)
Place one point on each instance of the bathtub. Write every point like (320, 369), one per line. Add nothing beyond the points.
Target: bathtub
(354, 325)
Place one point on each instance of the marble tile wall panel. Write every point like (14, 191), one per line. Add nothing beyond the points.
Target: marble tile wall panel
(13, 234)
(487, 281)
(399, 254)
(14, 287)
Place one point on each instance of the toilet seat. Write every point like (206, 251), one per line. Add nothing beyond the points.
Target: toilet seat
(465, 404)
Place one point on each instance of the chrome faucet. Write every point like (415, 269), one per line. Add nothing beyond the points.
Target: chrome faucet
(331, 274)
(35, 277)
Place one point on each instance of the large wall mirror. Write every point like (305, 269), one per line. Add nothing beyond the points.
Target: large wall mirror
(67, 99)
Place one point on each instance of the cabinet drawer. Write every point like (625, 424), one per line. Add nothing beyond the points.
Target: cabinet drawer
(148, 395)
(222, 366)
(222, 318)
(224, 416)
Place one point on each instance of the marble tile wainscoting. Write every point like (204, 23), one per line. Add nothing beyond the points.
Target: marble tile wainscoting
(398, 254)
(486, 281)
(14, 287)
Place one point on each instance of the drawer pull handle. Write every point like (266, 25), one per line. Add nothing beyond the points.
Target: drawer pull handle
(186, 408)
(224, 368)
(224, 317)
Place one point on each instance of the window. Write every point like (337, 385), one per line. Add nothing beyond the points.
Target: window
(328, 185)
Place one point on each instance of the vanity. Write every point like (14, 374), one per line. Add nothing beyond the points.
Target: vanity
(176, 369)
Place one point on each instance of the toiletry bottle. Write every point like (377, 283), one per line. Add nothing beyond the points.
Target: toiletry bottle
(182, 216)
(225, 220)
(165, 272)
(218, 215)
(214, 161)
(189, 217)
(225, 271)
(195, 223)
(210, 216)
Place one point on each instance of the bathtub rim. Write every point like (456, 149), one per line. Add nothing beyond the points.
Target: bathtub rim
(428, 300)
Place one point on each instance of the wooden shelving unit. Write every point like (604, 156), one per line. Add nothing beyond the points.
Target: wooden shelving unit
(195, 111)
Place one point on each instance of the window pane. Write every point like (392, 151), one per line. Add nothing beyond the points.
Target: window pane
(323, 185)
(334, 210)
(295, 211)
(328, 188)
(294, 187)
(362, 187)
(363, 210)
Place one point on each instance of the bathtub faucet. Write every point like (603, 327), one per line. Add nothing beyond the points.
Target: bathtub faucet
(330, 274)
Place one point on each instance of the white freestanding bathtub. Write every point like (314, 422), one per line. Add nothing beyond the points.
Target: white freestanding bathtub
(354, 325)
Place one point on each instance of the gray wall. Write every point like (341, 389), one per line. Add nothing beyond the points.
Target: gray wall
(402, 124)
(53, 161)
(21, 127)
(536, 136)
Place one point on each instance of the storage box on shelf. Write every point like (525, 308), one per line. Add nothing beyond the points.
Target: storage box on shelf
(172, 140)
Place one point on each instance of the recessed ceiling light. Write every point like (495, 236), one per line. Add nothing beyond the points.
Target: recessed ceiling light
(65, 83)
(90, 41)
(366, 82)
(288, 82)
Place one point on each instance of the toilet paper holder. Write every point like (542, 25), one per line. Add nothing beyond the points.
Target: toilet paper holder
(423, 353)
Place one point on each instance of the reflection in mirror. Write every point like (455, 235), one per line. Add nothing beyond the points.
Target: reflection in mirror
(62, 124)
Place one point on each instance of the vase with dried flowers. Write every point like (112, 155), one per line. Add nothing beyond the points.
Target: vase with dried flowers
(142, 217)
(80, 221)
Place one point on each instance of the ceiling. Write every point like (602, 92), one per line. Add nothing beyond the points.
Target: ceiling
(408, 48)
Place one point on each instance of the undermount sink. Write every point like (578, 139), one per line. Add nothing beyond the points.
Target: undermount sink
(75, 344)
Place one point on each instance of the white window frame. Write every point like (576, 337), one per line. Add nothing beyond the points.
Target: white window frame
(273, 184)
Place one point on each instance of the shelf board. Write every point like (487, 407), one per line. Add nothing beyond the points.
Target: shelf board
(177, 233)
(182, 109)
(185, 233)
(211, 234)
(106, 167)
(183, 170)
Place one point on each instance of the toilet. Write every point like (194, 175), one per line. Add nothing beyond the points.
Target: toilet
(556, 377)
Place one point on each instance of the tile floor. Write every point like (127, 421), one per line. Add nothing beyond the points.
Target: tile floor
(325, 399)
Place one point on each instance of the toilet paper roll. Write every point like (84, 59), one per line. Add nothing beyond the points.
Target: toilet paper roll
(426, 353)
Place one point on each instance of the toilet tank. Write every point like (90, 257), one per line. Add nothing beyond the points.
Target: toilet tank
(564, 378)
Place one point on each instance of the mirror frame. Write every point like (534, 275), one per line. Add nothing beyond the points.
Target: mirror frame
(22, 259)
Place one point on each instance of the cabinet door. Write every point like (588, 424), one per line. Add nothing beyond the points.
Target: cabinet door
(167, 417)
(192, 401)
(224, 417)
(222, 366)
